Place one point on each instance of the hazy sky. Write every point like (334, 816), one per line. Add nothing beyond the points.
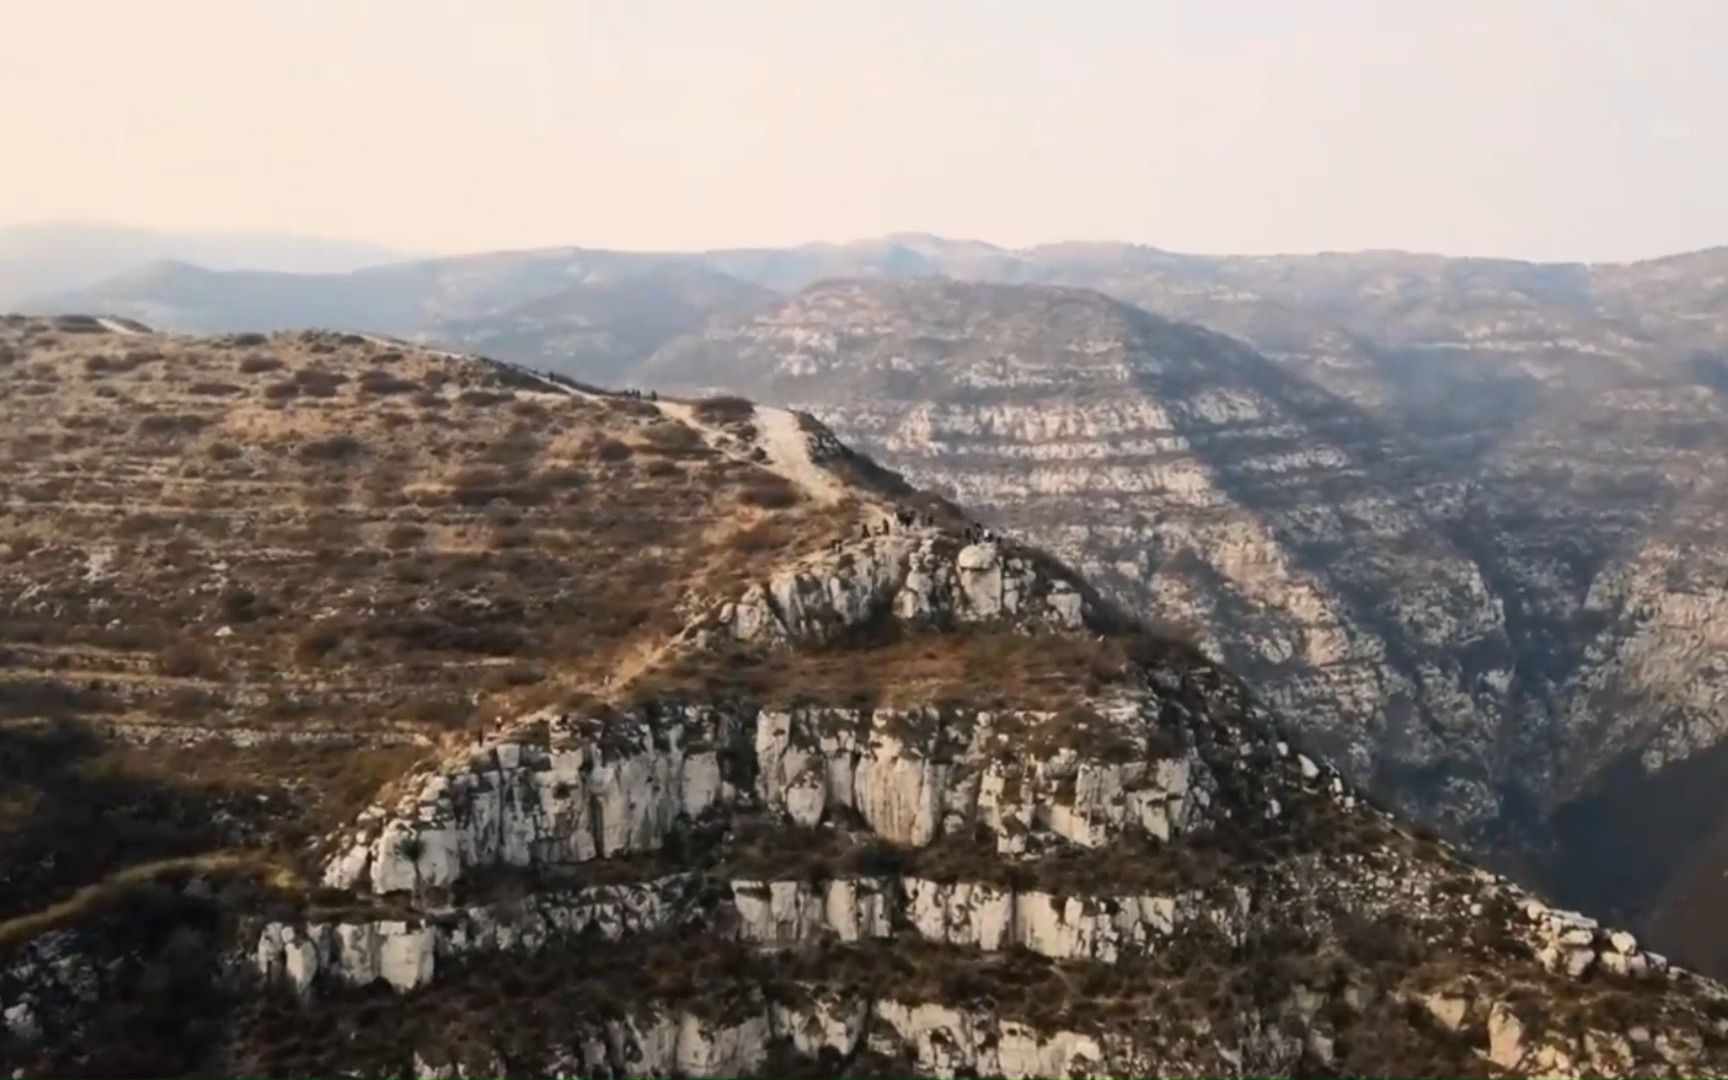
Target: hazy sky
(1593, 129)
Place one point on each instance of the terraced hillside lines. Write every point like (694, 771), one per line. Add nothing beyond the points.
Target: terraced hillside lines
(350, 545)
(1482, 567)
(1207, 488)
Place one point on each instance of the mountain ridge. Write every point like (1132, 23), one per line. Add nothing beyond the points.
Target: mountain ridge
(1552, 422)
(784, 767)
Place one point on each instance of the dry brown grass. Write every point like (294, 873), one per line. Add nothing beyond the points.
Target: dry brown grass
(310, 491)
(723, 410)
(985, 667)
(311, 531)
(92, 900)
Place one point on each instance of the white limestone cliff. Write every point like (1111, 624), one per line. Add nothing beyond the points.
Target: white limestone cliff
(915, 575)
(591, 788)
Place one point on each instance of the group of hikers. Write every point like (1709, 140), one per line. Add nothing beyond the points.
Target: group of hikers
(639, 395)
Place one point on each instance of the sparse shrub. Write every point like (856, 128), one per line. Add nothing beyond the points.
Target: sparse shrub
(430, 633)
(449, 713)
(477, 487)
(663, 469)
(224, 451)
(319, 641)
(514, 536)
(770, 492)
(241, 606)
(561, 478)
(380, 383)
(403, 536)
(335, 450)
(674, 440)
(514, 448)
(246, 341)
(281, 391)
(47, 491)
(19, 547)
(878, 858)
(143, 524)
(169, 425)
(185, 661)
(632, 406)
(512, 677)
(319, 383)
(213, 389)
(189, 703)
(770, 534)
(723, 410)
(258, 364)
(483, 399)
(612, 450)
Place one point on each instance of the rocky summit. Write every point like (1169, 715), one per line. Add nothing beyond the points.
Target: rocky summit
(376, 711)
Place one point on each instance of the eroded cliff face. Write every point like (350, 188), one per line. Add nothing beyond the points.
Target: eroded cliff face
(1478, 568)
(618, 784)
(1192, 479)
(1353, 923)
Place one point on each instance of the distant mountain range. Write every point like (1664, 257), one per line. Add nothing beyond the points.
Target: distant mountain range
(1390, 331)
(39, 262)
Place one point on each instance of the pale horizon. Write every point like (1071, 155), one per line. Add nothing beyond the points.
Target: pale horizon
(1546, 130)
(406, 255)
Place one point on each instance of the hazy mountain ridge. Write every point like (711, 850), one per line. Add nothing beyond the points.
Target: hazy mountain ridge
(41, 262)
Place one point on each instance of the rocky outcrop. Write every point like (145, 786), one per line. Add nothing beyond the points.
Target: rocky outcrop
(1578, 945)
(1101, 928)
(916, 576)
(405, 953)
(927, 1038)
(593, 787)
(1468, 940)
